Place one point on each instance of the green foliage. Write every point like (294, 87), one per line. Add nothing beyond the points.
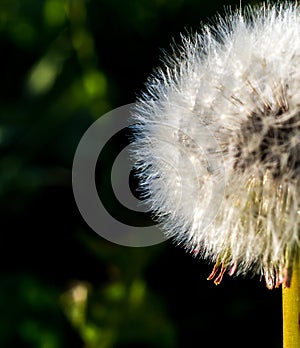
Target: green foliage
(65, 63)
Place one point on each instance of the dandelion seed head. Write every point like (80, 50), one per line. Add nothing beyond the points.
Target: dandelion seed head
(217, 143)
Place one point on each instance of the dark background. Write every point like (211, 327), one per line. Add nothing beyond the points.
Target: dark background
(63, 65)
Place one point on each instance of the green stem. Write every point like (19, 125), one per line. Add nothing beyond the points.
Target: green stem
(291, 310)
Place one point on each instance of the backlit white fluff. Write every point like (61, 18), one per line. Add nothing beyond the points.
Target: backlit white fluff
(217, 143)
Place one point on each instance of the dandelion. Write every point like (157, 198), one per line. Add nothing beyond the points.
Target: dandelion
(217, 143)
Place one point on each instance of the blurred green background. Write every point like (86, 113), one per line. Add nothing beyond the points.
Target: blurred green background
(64, 63)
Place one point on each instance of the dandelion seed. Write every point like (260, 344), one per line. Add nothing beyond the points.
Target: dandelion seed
(238, 83)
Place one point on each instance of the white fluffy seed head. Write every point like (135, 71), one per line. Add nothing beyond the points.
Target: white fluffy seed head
(217, 143)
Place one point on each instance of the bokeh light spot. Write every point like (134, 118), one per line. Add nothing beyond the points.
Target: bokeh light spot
(54, 12)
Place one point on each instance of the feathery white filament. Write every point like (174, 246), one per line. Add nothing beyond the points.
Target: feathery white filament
(217, 143)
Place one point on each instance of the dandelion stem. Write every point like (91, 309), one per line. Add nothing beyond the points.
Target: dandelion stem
(291, 309)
